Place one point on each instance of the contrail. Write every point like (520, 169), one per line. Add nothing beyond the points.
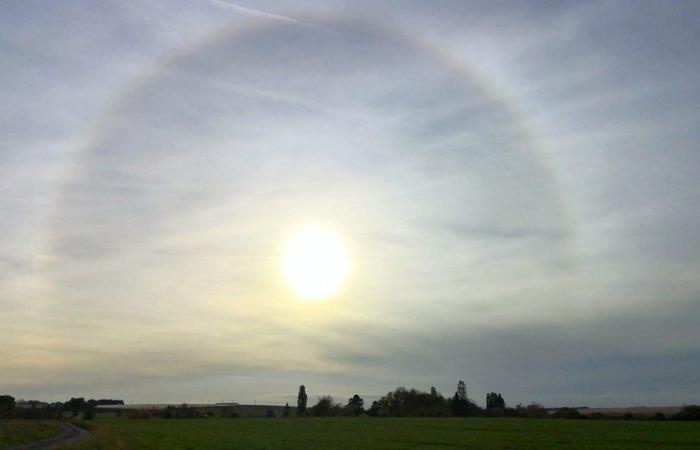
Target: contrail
(261, 14)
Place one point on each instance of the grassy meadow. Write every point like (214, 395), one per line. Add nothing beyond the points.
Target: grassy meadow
(18, 432)
(387, 434)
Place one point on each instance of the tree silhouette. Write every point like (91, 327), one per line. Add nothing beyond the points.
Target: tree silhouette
(460, 401)
(495, 401)
(7, 404)
(301, 401)
(410, 402)
(76, 404)
(689, 412)
(324, 407)
(462, 390)
(355, 406)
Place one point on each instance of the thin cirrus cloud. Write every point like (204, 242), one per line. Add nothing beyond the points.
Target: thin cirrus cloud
(257, 13)
(513, 194)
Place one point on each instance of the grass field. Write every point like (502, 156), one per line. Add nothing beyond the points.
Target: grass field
(388, 433)
(18, 432)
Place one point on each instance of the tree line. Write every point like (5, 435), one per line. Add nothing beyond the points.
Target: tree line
(35, 409)
(403, 402)
(400, 402)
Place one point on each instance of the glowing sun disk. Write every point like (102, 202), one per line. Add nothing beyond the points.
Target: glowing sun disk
(315, 263)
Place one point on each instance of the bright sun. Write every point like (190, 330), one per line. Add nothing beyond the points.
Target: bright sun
(315, 263)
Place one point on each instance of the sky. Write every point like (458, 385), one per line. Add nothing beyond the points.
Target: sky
(516, 185)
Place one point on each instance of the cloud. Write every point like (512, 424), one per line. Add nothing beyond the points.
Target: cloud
(257, 13)
(526, 224)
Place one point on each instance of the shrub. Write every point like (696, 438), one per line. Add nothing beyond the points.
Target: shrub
(533, 410)
(690, 412)
(324, 407)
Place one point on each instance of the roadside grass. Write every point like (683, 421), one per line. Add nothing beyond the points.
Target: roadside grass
(100, 437)
(18, 432)
(387, 434)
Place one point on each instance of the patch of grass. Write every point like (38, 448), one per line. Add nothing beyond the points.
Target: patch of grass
(18, 432)
(388, 434)
(101, 437)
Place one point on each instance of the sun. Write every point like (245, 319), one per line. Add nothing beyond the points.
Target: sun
(315, 263)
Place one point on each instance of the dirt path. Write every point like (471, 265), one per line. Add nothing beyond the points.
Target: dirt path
(70, 433)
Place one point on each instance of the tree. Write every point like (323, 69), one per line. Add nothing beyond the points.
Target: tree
(75, 404)
(495, 401)
(460, 401)
(107, 401)
(689, 412)
(355, 406)
(462, 390)
(301, 401)
(7, 402)
(461, 404)
(285, 413)
(324, 407)
(458, 406)
(410, 402)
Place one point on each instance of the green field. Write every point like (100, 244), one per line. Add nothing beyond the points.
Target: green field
(18, 432)
(388, 433)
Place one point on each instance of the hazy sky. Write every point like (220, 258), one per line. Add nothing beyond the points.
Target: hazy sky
(517, 185)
